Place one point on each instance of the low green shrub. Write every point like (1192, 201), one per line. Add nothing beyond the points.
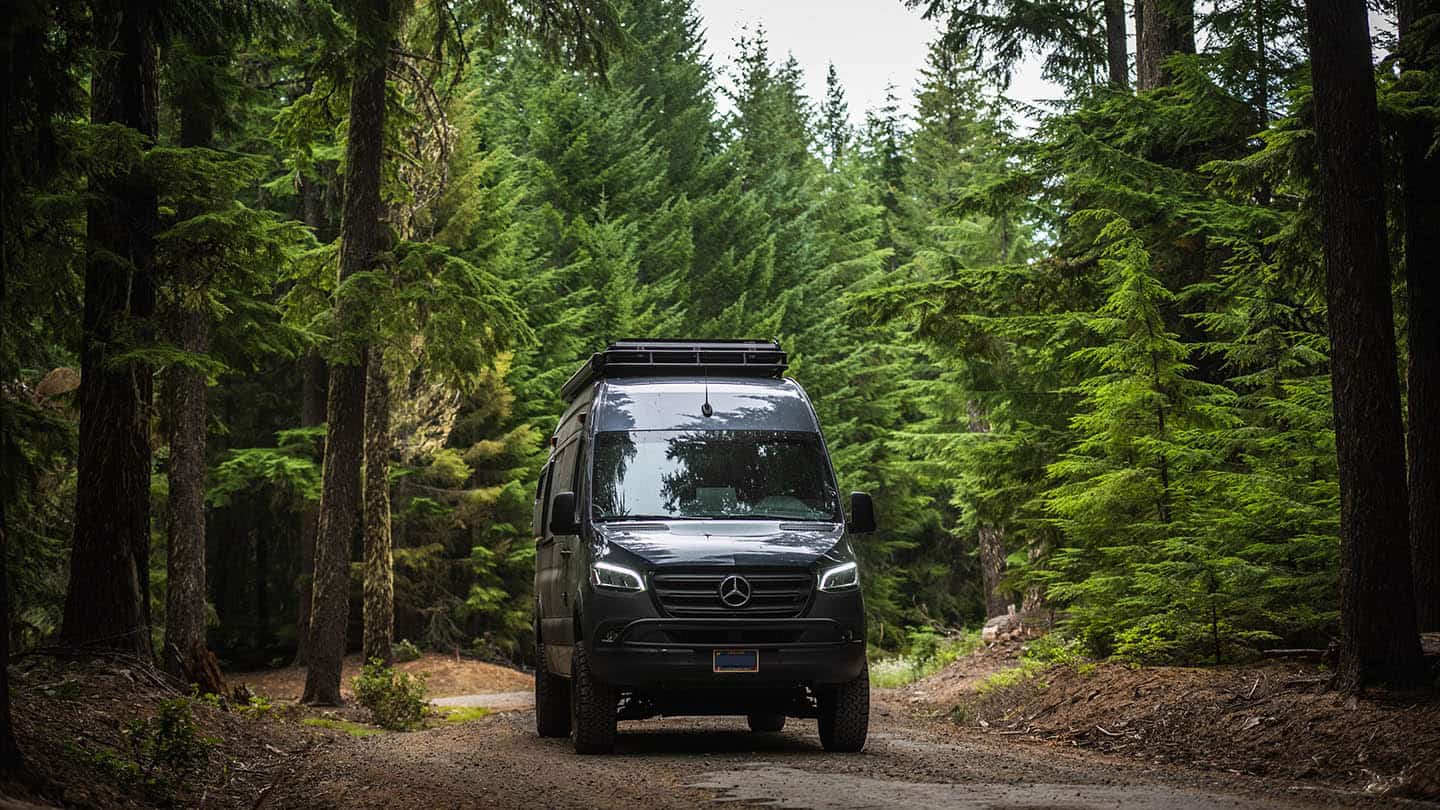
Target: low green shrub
(396, 700)
(405, 651)
(160, 751)
(926, 652)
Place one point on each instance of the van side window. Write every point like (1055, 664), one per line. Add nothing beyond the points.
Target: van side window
(564, 475)
(542, 494)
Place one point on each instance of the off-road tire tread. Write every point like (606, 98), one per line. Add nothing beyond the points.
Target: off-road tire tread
(766, 722)
(845, 714)
(552, 698)
(592, 708)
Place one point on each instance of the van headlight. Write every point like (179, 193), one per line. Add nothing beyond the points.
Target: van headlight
(607, 575)
(840, 578)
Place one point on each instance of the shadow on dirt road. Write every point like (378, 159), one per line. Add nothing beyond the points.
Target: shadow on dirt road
(910, 762)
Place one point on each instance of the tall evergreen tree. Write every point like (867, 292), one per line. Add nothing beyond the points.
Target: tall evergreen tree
(835, 130)
(361, 242)
(107, 603)
(1378, 640)
(1419, 38)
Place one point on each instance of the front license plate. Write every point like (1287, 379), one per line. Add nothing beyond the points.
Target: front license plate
(737, 660)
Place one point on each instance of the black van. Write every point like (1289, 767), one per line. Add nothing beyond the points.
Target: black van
(692, 555)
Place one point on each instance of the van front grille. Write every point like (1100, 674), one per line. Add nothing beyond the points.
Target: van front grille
(696, 594)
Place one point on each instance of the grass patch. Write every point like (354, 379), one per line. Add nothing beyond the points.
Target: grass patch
(926, 653)
(348, 726)
(1014, 676)
(462, 714)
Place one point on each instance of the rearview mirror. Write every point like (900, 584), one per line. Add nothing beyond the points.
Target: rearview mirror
(562, 514)
(862, 513)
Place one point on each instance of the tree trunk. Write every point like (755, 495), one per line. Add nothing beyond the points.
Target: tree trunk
(1162, 29)
(183, 396)
(1117, 53)
(10, 759)
(989, 539)
(1378, 639)
(992, 567)
(1421, 173)
(379, 559)
(107, 604)
(312, 413)
(360, 234)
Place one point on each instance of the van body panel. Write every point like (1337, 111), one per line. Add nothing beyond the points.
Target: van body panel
(727, 542)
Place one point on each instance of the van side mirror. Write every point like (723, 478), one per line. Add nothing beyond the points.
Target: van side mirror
(562, 514)
(862, 513)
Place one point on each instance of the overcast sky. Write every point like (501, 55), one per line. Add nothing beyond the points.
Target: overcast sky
(871, 42)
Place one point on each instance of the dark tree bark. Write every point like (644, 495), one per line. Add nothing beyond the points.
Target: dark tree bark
(1163, 28)
(184, 397)
(1378, 640)
(379, 558)
(10, 759)
(1117, 52)
(1421, 178)
(360, 241)
(106, 604)
(312, 413)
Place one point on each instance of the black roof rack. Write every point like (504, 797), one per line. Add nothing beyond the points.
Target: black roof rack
(670, 357)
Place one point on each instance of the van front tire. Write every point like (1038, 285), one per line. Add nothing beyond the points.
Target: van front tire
(592, 707)
(845, 713)
(552, 697)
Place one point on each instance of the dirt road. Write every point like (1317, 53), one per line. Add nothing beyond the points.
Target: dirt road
(911, 761)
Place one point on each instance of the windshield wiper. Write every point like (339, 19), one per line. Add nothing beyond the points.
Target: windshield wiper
(636, 518)
(749, 516)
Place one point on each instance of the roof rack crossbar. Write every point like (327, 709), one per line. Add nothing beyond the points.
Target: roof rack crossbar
(672, 357)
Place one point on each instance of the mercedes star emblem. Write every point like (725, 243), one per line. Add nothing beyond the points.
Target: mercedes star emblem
(734, 591)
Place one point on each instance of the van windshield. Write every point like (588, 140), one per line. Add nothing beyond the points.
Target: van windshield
(697, 474)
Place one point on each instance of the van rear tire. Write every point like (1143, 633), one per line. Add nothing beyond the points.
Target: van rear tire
(592, 707)
(845, 713)
(766, 722)
(552, 697)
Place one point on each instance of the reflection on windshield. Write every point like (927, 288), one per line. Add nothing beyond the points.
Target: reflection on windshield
(669, 474)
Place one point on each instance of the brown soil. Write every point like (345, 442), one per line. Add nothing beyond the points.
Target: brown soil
(1271, 721)
(71, 719)
(1028, 756)
(445, 675)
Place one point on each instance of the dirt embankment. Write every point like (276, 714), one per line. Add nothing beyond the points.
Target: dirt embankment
(444, 675)
(91, 733)
(1272, 720)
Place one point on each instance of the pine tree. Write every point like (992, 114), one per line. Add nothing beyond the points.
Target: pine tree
(107, 601)
(835, 128)
(1378, 641)
(1421, 206)
(1135, 581)
(360, 243)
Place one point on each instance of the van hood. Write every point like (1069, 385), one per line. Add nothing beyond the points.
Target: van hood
(729, 543)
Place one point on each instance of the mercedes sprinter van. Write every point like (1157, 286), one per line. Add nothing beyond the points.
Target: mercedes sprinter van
(692, 555)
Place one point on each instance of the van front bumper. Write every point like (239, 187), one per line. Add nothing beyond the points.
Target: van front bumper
(658, 653)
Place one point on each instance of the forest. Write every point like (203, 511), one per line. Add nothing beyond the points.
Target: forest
(290, 288)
